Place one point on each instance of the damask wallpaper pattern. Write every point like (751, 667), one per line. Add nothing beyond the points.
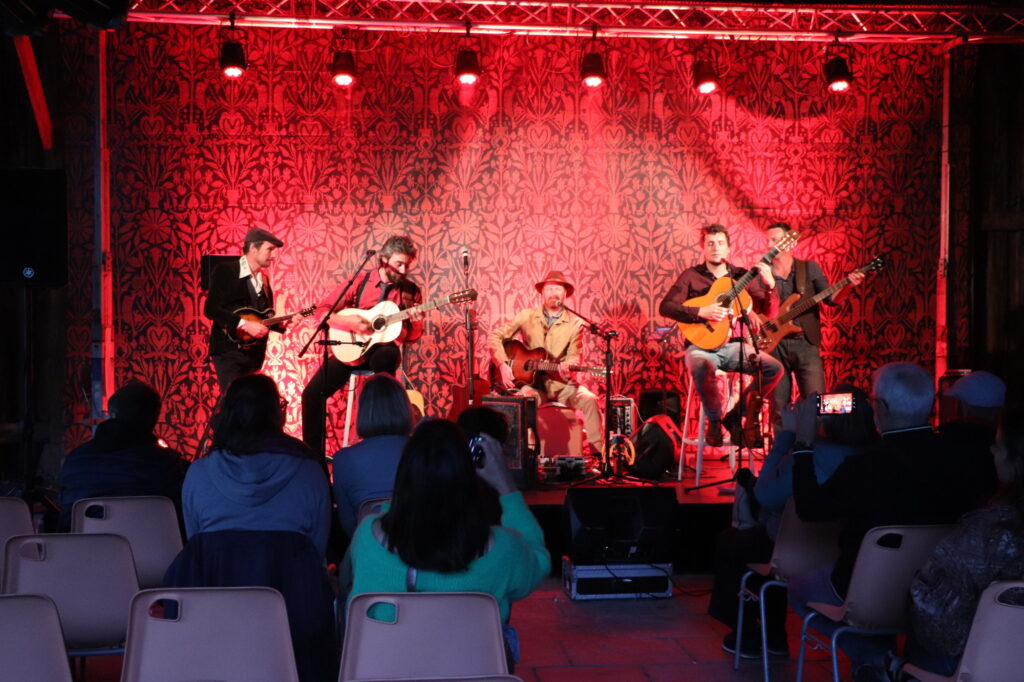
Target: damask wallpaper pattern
(528, 169)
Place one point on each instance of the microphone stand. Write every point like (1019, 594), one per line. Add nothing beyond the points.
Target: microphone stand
(470, 328)
(322, 328)
(607, 471)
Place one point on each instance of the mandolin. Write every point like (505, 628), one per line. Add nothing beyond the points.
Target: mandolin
(264, 317)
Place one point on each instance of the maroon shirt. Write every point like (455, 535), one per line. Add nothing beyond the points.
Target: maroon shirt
(697, 281)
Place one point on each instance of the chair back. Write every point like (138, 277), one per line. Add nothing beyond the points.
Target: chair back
(209, 633)
(149, 523)
(15, 518)
(374, 505)
(802, 547)
(31, 643)
(888, 558)
(997, 635)
(423, 634)
(90, 578)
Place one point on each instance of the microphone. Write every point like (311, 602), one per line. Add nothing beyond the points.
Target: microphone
(370, 252)
(465, 257)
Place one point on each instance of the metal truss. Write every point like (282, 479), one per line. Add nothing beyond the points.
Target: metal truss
(936, 24)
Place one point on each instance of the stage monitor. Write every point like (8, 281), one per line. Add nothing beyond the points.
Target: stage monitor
(621, 525)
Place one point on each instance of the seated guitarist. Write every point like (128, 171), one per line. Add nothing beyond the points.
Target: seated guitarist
(387, 281)
(799, 353)
(701, 363)
(242, 285)
(551, 327)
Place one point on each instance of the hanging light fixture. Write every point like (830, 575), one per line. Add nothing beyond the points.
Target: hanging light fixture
(343, 68)
(232, 55)
(838, 75)
(467, 63)
(592, 68)
(705, 77)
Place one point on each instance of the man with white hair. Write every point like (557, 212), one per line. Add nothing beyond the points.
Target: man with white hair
(910, 478)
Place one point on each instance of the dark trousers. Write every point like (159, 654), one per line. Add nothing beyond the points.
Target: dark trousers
(800, 360)
(734, 550)
(326, 382)
(236, 363)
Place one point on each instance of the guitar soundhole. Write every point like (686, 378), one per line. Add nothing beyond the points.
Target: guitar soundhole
(378, 323)
(530, 365)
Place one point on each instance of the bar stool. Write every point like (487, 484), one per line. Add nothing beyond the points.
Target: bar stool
(350, 401)
(698, 439)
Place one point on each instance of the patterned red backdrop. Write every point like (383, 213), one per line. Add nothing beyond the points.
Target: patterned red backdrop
(528, 168)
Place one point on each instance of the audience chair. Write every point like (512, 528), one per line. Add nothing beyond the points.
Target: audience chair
(458, 678)
(800, 547)
(149, 523)
(423, 634)
(90, 578)
(876, 603)
(31, 642)
(15, 519)
(996, 639)
(209, 633)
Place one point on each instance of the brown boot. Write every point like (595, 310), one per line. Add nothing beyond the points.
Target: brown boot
(713, 433)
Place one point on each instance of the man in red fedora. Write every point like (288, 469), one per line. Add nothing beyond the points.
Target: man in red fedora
(559, 332)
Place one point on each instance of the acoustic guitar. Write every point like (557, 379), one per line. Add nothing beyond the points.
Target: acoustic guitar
(525, 364)
(774, 330)
(264, 317)
(385, 320)
(728, 294)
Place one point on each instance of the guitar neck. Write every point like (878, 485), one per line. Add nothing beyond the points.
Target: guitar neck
(271, 321)
(553, 367)
(422, 308)
(748, 277)
(806, 304)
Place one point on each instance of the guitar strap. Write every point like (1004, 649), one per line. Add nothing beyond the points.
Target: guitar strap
(801, 277)
(359, 291)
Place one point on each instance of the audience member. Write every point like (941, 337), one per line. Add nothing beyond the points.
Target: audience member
(123, 458)
(256, 477)
(476, 421)
(835, 437)
(904, 480)
(435, 538)
(988, 545)
(366, 470)
(978, 400)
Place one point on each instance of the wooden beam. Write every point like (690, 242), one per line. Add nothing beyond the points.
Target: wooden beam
(36, 95)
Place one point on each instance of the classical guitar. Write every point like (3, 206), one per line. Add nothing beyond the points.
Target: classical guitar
(264, 317)
(525, 364)
(772, 331)
(385, 319)
(728, 294)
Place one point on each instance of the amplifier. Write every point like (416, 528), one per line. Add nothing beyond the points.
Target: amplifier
(623, 417)
(520, 447)
(616, 581)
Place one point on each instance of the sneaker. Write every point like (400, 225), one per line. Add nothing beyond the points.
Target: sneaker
(751, 644)
(713, 433)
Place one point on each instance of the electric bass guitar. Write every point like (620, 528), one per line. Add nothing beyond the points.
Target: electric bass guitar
(525, 364)
(264, 317)
(772, 331)
(728, 294)
(385, 320)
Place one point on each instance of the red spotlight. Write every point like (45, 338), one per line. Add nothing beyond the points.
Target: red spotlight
(592, 70)
(705, 77)
(232, 59)
(838, 75)
(467, 67)
(343, 69)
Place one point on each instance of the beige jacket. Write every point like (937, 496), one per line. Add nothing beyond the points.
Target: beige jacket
(563, 340)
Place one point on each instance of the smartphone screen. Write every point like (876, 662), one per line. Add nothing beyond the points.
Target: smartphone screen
(835, 403)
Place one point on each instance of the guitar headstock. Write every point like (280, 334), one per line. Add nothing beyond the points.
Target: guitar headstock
(464, 296)
(787, 241)
(876, 263)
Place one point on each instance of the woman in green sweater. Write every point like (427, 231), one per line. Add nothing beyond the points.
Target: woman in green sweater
(436, 536)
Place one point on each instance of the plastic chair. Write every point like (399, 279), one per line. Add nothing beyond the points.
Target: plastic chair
(15, 519)
(423, 634)
(350, 412)
(90, 578)
(888, 558)
(149, 523)
(993, 646)
(374, 505)
(209, 633)
(31, 642)
(800, 547)
(459, 678)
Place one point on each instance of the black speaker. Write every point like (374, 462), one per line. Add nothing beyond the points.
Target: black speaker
(208, 263)
(660, 402)
(519, 447)
(35, 207)
(620, 525)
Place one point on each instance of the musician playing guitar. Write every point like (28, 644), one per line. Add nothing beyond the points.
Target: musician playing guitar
(799, 353)
(238, 344)
(551, 327)
(702, 363)
(387, 281)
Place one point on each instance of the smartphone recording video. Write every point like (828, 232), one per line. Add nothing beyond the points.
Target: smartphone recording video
(835, 403)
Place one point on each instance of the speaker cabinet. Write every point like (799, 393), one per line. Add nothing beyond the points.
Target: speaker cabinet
(620, 525)
(210, 262)
(34, 202)
(660, 402)
(519, 447)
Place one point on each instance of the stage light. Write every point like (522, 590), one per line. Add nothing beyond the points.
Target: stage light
(705, 78)
(232, 59)
(467, 67)
(837, 74)
(592, 70)
(343, 68)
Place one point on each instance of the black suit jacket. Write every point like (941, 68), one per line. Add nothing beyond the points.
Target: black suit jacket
(228, 293)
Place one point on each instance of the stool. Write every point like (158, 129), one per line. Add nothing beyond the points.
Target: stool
(350, 400)
(698, 440)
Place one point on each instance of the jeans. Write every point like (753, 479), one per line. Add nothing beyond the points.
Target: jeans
(727, 357)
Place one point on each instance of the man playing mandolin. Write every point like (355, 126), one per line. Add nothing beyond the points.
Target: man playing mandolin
(387, 281)
(560, 333)
(730, 355)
